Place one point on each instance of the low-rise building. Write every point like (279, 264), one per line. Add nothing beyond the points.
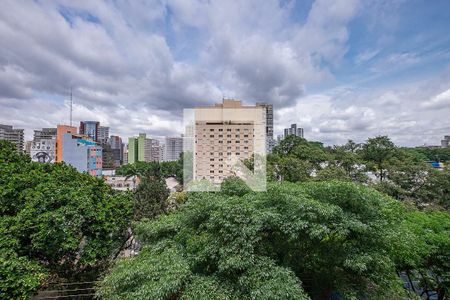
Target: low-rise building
(122, 183)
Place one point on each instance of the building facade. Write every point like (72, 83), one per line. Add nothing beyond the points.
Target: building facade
(15, 136)
(91, 129)
(141, 148)
(270, 141)
(445, 142)
(60, 131)
(225, 132)
(115, 142)
(103, 134)
(43, 151)
(83, 154)
(173, 147)
(45, 134)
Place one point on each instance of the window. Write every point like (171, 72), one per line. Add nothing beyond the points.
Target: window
(220, 129)
(212, 171)
(229, 129)
(211, 136)
(229, 135)
(220, 171)
(211, 129)
(211, 159)
(220, 142)
(220, 135)
(245, 135)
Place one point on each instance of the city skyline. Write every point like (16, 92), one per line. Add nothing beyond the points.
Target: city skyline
(341, 70)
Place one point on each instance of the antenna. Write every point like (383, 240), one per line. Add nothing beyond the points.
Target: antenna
(71, 103)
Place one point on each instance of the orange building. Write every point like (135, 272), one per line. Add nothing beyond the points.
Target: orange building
(60, 131)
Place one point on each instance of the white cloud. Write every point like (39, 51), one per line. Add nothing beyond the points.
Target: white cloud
(439, 101)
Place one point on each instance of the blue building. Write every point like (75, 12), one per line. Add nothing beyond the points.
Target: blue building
(83, 154)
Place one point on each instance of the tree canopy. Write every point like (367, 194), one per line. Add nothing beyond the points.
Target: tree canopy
(294, 242)
(54, 222)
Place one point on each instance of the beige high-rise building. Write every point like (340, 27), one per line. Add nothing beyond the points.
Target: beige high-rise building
(224, 133)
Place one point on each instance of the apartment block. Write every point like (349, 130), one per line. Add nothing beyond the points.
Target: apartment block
(82, 153)
(45, 134)
(270, 141)
(91, 129)
(12, 135)
(173, 148)
(60, 131)
(293, 130)
(103, 134)
(141, 148)
(224, 133)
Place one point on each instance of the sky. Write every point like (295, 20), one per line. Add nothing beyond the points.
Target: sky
(341, 69)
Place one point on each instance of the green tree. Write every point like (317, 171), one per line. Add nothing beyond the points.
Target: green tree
(323, 237)
(150, 197)
(377, 152)
(54, 221)
(431, 265)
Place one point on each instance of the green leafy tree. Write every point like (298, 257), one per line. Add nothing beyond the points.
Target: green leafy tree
(54, 221)
(377, 152)
(150, 197)
(316, 239)
(431, 265)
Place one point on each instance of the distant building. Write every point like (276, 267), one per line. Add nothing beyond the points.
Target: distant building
(83, 154)
(91, 129)
(60, 131)
(43, 151)
(12, 135)
(270, 142)
(103, 134)
(293, 130)
(173, 148)
(45, 134)
(445, 142)
(28, 145)
(115, 142)
(162, 150)
(141, 148)
(122, 183)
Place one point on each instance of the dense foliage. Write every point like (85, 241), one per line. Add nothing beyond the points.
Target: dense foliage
(296, 240)
(54, 222)
(165, 169)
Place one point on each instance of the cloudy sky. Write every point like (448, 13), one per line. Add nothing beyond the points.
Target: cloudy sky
(342, 69)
